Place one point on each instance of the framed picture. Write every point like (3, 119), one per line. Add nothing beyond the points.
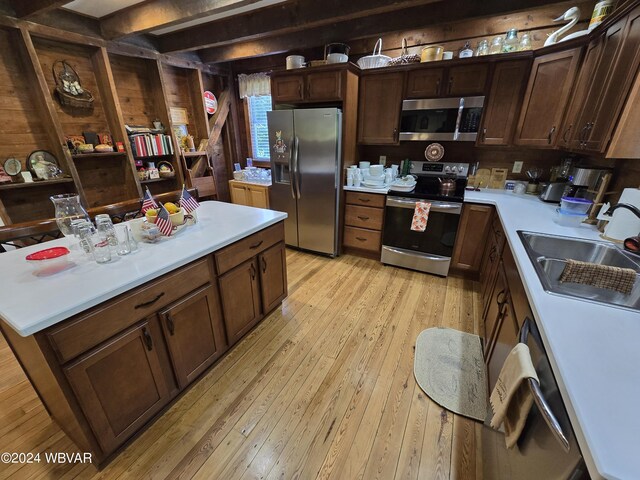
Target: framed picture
(73, 141)
(90, 137)
(181, 134)
(105, 139)
(41, 164)
(179, 116)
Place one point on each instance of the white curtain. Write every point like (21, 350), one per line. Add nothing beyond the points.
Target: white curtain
(254, 85)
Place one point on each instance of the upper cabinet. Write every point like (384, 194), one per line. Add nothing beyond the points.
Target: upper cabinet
(379, 108)
(503, 103)
(548, 91)
(458, 81)
(324, 85)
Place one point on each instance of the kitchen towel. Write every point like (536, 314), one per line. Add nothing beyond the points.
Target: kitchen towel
(600, 276)
(511, 398)
(420, 216)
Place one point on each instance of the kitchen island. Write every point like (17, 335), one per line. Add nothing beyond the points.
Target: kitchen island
(108, 347)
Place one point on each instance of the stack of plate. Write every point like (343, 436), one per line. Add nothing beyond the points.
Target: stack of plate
(405, 184)
(374, 181)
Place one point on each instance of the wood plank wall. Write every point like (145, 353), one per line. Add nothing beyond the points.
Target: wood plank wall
(132, 79)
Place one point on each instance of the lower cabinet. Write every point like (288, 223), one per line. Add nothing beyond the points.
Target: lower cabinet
(363, 220)
(249, 194)
(193, 329)
(471, 239)
(273, 276)
(120, 385)
(240, 293)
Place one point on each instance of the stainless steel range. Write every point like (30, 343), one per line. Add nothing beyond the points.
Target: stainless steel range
(442, 185)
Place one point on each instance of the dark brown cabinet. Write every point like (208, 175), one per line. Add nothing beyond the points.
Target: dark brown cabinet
(491, 260)
(319, 86)
(503, 103)
(240, 295)
(379, 108)
(471, 239)
(495, 308)
(464, 80)
(273, 276)
(505, 338)
(120, 385)
(550, 83)
(193, 328)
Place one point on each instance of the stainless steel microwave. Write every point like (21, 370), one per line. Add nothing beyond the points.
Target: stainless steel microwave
(456, 119)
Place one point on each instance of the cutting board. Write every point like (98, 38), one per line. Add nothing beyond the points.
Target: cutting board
(481, 178)
(498, 177)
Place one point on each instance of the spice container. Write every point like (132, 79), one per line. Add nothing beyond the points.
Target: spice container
(496, 45)
(511, 42)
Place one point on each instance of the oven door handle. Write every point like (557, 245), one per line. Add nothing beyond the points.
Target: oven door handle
(435, 258)
(549, 418)
(454, 208)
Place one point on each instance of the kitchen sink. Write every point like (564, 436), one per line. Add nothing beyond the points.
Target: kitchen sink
(549, 254)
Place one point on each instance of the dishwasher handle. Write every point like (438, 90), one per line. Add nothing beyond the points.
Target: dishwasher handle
(549, 418)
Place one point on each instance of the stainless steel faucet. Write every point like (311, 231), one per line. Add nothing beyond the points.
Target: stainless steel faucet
(633, 209)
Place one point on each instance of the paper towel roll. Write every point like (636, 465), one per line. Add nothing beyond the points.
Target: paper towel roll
(624, 224)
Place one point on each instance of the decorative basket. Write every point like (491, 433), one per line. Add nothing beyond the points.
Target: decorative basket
(404, 57)
(166, 174)
(376, 60)
(68, 89)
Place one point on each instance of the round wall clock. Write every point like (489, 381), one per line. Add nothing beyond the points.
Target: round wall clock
(12, 166)
(434, 152)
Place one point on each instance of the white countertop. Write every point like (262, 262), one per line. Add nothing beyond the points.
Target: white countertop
(381, 191)
(594, 350)
(29, 303)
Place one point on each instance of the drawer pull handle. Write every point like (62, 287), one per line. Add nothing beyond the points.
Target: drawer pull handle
(256, 245)
(364, 200)
(363, 217)
(253, 271)
(170, 325)
(150, 302)
(362, 239)
(264, 265)
(147, 338)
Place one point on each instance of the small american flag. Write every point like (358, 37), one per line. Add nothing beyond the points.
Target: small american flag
(148, 202)
(187, 201)
(163, 222)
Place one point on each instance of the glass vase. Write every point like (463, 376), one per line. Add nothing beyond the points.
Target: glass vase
(68, 208)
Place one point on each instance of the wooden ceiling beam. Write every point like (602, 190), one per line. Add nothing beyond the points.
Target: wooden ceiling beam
(374, 25)
(27, 8)
(156, 14)
(280, 19)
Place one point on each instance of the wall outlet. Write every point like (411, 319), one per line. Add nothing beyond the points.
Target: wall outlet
(383, 160)
(517, 167)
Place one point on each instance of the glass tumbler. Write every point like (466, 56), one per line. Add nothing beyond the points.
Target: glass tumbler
(100, 247)
(124, 240)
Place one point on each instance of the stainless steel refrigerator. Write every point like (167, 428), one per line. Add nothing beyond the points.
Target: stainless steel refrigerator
(305, 170)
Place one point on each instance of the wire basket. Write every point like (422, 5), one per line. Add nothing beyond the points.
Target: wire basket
(404, 57)
(68, 89)
(376, 60)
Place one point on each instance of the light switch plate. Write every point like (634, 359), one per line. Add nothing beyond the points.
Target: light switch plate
(517, 167)
(383, 160)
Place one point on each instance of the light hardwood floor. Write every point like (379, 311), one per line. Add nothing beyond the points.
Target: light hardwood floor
(322, 388)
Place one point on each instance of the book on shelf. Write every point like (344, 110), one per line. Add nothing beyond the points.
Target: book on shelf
(151, 145)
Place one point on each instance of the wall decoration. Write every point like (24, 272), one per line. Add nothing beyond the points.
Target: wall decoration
(91, 138)
(73, 141)
(179, 116)
(43, 165)
(210, 102)
(68, 88)
(4, 177)
(181, 133)
(105, 139)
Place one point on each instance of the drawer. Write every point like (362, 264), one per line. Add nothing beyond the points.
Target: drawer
(82, 333)
(366, 199)
(237, 253)
(364, 217)
(362, 239)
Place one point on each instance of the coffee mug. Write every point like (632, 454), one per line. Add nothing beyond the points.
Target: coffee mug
(337, 58)
(295, 61)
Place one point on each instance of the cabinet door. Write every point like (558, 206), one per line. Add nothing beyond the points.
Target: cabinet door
(258, 196)
(379, 108)
(194, 332)
(427, 83)
(240, 295)
(506, 337)
(324, 86)
(489, 270)
(495, 310)
(239, 194)
(120, 384)
(547, 93)
(273, 276)
(619, 64)
(471, 237)
(287, 88)
(503, 104)
(467, 80)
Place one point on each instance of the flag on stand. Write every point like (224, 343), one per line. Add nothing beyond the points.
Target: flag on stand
(148, 202)
(187, 201)
(163, 222)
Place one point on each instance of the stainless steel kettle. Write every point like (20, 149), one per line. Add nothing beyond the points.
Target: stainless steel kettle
(447, 186)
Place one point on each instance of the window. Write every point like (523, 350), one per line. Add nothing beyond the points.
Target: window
(258, 108)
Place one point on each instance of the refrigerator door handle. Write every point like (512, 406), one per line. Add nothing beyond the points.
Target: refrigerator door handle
(296, 166)
(538, 397)
(291, 169)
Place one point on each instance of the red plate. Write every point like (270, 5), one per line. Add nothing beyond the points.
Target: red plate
(48, 253)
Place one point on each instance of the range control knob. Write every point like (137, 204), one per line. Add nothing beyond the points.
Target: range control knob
(460, 168)
(447, 169)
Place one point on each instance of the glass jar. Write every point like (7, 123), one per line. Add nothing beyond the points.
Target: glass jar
(496, 45)
(525, 43)
(68, 208)
(511, 42)
(106, 228)
(483, 48)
